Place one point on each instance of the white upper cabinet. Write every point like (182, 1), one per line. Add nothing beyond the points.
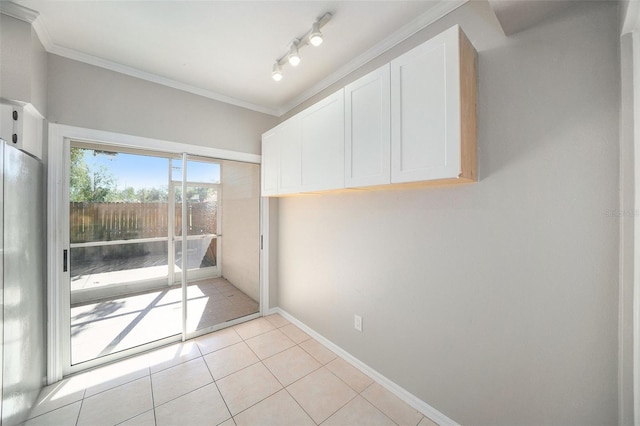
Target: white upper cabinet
(270, 162)
(367, 130)
(322, 144)
(412, 120)
(281, 159)
(433, 96)
(289, 177)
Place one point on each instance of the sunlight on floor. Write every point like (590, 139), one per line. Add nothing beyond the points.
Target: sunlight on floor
(109, 326)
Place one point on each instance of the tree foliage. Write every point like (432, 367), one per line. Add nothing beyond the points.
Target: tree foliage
(100, 186)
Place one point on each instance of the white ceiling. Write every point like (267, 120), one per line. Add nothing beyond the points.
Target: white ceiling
(226, 49)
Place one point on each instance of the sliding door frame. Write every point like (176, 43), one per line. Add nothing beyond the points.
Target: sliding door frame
(58, 357)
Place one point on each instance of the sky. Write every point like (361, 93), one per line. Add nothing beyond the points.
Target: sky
(141, 171)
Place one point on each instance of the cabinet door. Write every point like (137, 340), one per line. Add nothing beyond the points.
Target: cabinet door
(425, 105)
(270, 163)
(322, 144)
(367, 130)
(289, 167)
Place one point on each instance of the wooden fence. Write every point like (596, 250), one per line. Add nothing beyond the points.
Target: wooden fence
(89, 222)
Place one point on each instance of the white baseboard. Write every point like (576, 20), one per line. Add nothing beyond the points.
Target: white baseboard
(392, 387)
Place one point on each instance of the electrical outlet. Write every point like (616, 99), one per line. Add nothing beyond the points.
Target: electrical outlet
(357, 322)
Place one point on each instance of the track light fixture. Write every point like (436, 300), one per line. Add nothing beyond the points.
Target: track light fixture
(277, 72)
(294, 56)
(313, 37)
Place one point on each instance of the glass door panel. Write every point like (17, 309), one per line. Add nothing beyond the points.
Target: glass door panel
(202, 231)
(118, 254)
(213, 298)
(134, 225)
(234, 293)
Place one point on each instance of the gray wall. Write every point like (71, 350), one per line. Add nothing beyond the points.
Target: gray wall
(87, 96)
(627, 225)
(494, 302)
(15, 65)
(38, 74)
(23, 73)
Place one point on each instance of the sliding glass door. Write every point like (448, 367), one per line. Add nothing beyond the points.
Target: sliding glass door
(146, 258)
(222, 236)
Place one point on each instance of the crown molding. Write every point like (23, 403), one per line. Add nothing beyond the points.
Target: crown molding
(43, 34)
(17, 11)
(442, 8)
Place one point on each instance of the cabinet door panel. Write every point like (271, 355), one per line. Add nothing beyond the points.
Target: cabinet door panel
(289, 179)
(425, 117)
(270, 163)
(367, 130)
(322, 144)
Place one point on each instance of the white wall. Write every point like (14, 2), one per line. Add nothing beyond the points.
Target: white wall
(495, 302)
(241, 226)
(87, 96)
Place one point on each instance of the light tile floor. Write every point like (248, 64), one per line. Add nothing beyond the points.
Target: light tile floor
(262, 372)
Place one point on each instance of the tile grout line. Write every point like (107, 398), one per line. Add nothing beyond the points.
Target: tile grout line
(341, 407)
(184, 394)
(296, 401)
(117, 386)
(153, 398)
(300, 378)
(244, 368)
(256, 403)
(379, 409)
(80, 410)
(191, 391)
(54, 409)
(219, 392)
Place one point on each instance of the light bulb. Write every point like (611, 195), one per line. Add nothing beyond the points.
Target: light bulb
(276, 74)
(294, 57)
(315, 38)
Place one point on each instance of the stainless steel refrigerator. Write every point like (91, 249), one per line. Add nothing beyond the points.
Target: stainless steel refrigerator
(22, 283)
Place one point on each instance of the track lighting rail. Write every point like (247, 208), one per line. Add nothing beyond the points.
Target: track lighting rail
(312, 37)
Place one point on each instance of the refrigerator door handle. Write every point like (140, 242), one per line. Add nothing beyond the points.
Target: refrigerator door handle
(64, 261)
